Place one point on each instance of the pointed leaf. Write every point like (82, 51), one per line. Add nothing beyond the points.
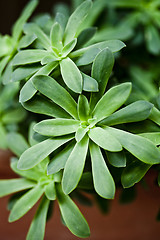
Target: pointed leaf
(88, 57)
(3, 139)
(74, 166)
(116, 159)
(140, 147)
(27, 40)
(73, 218)
(50, 191)
(56, 36)
(85, 36)
(104, 139)
(60, 96)
(69, 47)
(34, 155)
(75, 21)
(133, 173)
(25, 203)
(112, 100)
(14, 185)
(155, 115)
(89, 83)
(37, 227)
(80, 133)
(21, 73)
(134, 112)
(83, 108)
(71, 75)
(102, 179)
(56, 127)
(29, 56)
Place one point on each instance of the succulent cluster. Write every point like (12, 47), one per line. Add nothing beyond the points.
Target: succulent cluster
(86, 121)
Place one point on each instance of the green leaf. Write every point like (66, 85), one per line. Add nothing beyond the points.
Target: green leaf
(75, 21)
(140, 147)
(61, 19)
(152, 136)
(71, 75)
(32, 174)
(80, 133)
(83, 108)
(25, 203)
(133, 173)
(86, 181)
(56, 127)
(85, 36)
(24, 72)
(134, 112)
(27, 40)
(34, 155)
(74, 166)
(3, 64)
(7, 74)
(104, 139)
(113, 45)
(88, 57)
(73, 218)
(152, 39)
(14, 115)
(56, 36)
(17, 143)
(37, 227)
(155, 115)
(43, 39)
(69, 47)
(89, 83)
(3, 140)
(102, 179)
(28, 56)
(38, 104)
(59, 160)
(14, 185)
(60, 96)
(28, 90)
(101, 71)
(50, 191)
(116, 159)
(111, 101)
(18, 26)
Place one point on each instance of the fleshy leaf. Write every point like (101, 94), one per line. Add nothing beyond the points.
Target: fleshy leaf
(29, 56)
(37, 227)
(56, 36)
(104, 139)
(69, 47)
(85, 36)
(34, 155)
(73, 218)
(50, 191)
(89, 83)
(116, 159)
(102, 179)
(56, 127)
(83, 108)
(74, 166)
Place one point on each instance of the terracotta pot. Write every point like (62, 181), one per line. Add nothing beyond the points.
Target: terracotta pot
(124, 222)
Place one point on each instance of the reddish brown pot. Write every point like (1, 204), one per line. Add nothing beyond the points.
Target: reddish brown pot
(124, 222)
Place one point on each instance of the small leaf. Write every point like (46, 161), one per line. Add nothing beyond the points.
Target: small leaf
(75, 21)
(101, 71)
(56, 36)
(17, 143)
(34, 155)
(155, 115)
(89, 83)
(152, 39)
(104, 139)
(83, 108)
(14, 185)
(43, 39)
(56, 127)
(3, 63)
(14, 115)
(116, 159)
(140, 147)
(74, 166)
(25, 203)
(102, 179)
(133, 173)
(37, 227)
(38, 104)
(3, 139)
(18, 26)
(134, 112)
(80, 133)
(152, 136)
(59, 160)
(69, 47)
(26, 40)
(73, 218)
(21, 73)
(88, 57)
(71, 75)
(29, 56)
(50, 191)
(111, 101)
